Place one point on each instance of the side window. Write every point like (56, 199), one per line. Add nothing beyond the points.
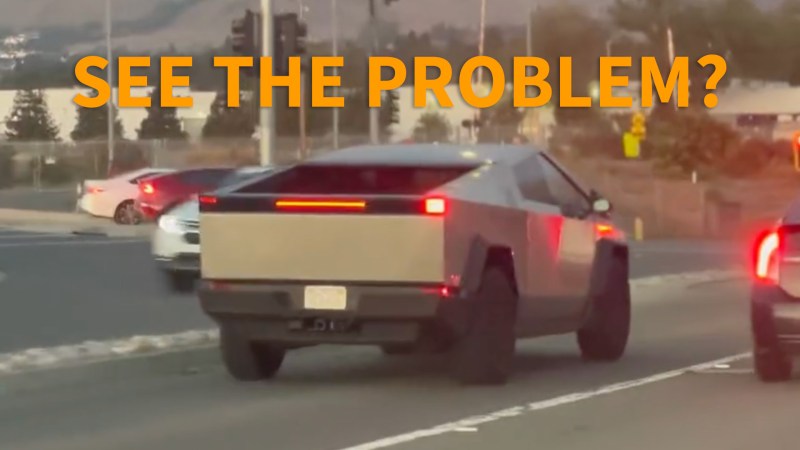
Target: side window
(564, 191)
(532, 183)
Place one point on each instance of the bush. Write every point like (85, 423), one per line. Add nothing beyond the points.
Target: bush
(747, 158)
(690, 141)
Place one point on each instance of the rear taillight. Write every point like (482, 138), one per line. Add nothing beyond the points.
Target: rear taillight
(435, 206)
(207, 199)
(767, 254)
(147, 188)
(94, 190)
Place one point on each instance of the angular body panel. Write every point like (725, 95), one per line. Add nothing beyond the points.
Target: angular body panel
(322, 247)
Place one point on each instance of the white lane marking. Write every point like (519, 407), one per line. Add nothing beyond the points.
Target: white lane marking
(471, 422)
(2, 277)
(109, 241)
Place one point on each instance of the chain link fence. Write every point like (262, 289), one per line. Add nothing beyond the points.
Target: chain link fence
(42, 165)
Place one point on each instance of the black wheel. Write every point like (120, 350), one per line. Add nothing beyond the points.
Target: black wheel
(180, 281)
(246, 360)
(605, 336)
(772, 365)
(398, 349)
(485, 353)
(126, 214)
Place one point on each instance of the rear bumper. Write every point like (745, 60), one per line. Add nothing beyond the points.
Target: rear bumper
(775, 318)
(373, 315)
(148, 211)
(182, 262)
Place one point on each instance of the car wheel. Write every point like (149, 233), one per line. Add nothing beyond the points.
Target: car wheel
(179, 281)
(398, 349)
(125, 214)
(772, 365)
(246, 360)
(605, 336)
(485, 353)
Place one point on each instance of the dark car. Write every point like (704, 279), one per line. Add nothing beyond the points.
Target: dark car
(161, 193)
(775, 298)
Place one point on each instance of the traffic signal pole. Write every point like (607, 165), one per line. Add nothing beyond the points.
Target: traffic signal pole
(302, 119)
(374, 113)
(266, 115)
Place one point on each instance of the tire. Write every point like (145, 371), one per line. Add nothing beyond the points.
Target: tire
(605, 336)
(125, 214)
(772, 365)
(180, 282)
(398, 349)
(246, 360)
(485, 353)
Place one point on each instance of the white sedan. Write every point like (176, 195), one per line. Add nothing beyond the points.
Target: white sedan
(113, 198)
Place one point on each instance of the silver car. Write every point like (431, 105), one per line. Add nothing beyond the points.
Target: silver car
(412, 247)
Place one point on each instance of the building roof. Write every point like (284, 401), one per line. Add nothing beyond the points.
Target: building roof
(428, 154)
(766, 100)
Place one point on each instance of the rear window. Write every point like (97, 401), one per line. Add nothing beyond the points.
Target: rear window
(375, 180)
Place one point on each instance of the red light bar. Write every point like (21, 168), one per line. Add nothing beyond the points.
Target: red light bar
(765, 256)
(321, 204)
(604, 229)
(207, 199)
(435, 206)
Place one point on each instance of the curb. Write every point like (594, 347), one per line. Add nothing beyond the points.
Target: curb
(66, 356)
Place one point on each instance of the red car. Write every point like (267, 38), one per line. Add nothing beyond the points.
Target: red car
(160, 193)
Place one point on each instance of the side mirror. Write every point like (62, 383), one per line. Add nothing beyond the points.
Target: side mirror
(601, 206)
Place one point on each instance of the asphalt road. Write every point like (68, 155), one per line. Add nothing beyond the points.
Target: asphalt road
(60, 200)
(333, 398)
(65, 289)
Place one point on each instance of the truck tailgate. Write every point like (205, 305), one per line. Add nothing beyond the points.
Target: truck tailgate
(322, 247)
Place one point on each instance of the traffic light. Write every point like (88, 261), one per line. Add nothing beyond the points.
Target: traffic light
(293, 34)
(244, 35)
(796, 150)
(395, 110)
(638, 127)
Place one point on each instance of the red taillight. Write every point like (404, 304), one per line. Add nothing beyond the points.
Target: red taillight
(604, 229)
(94, 190)
(207, 199)
(321, 204)
(767, 253)
(435, 206)
(147, 188)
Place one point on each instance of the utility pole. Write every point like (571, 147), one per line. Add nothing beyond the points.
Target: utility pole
(267, 115)
(110, 77)
(374, 113)
(335, 40)
(302, 119)
(671, 52)
(481, 37)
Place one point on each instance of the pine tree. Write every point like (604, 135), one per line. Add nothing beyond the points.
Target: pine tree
(93, 124)
(432, 127)
(224, 121)
(30, 118)
(160, 123)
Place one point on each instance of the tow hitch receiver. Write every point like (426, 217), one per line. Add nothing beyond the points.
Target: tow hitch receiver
(323, 325)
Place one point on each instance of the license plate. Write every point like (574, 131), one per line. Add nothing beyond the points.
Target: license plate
(325, 297)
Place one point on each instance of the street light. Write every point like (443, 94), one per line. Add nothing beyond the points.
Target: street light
(109, 75)
(335, 51)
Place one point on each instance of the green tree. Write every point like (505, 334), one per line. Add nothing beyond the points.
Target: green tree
(389, 113)
(224, 121)
(160, 123)
(30, 118)
(93, 124)
(432, 127)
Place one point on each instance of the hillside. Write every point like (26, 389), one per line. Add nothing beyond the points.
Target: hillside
(148, 24)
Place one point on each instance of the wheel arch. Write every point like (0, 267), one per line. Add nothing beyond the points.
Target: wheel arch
(608, 254)
(482, 254)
